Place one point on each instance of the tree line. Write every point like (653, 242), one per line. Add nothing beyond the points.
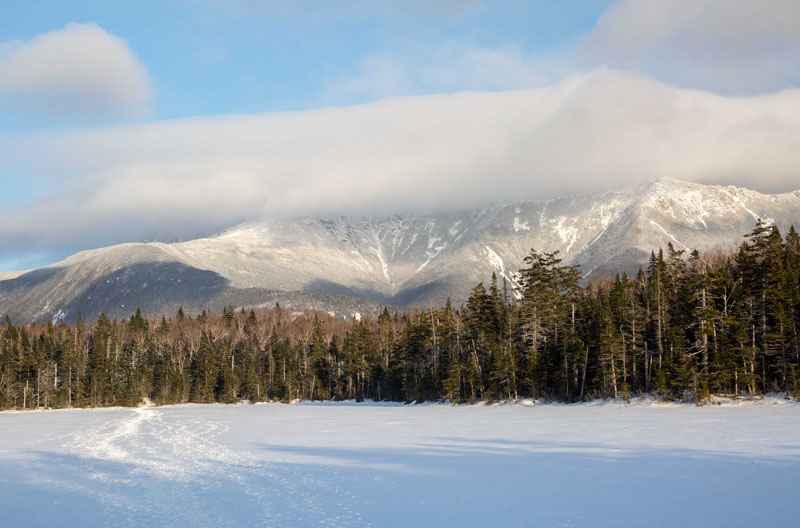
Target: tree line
(686, 327)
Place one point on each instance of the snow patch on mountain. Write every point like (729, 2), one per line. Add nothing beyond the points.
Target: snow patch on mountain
(497, 263)
(670, 235)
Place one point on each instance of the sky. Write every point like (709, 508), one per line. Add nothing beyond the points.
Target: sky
(165, 120)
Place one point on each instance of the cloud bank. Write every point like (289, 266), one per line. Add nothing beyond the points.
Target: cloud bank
(729, 46)
(181, 178)
(80, 71)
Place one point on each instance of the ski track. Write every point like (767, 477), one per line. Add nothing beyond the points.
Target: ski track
(169, 467)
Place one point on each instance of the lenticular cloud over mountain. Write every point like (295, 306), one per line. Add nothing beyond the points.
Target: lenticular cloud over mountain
(423, 153)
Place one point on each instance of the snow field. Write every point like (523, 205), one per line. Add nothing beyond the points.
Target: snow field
(398, 465)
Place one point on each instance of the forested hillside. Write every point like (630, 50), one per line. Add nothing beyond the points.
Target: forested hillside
(686, 327)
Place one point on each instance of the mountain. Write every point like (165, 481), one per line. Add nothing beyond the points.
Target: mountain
(349, 265)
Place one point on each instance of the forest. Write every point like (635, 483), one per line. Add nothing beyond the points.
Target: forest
(686, 327)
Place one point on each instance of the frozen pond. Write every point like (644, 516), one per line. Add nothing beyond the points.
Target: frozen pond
(398, 465)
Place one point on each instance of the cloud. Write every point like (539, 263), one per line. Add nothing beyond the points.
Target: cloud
(80, 71)
(185, 177)
(346, 6)
(732, 47)
(728, 46)
(446, 68)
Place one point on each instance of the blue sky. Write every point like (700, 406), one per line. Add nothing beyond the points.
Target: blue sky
(215, 57)
(162, 120)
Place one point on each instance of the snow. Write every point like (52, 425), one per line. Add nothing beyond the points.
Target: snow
(384, 265)
(433, 250)
(656, 224)
(494, 260)
(370, 464)
(606, 213)
(520, 226)
(497, 263)
(455, 228)
(404, 255)
(566, 233)
(60, 315)
(767, 221)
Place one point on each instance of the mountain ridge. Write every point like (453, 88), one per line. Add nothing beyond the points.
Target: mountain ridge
(349, 264)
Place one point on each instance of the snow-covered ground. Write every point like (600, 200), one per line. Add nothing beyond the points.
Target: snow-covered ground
(395, 465)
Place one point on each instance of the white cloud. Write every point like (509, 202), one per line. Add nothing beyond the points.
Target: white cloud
(184, 177)
(728, 46)
(446, 68)
(733, 47)
(80, 71)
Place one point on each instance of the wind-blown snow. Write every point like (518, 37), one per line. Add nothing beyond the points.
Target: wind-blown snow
(395, 465)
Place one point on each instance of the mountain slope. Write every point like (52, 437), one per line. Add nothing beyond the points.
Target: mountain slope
(331, 263)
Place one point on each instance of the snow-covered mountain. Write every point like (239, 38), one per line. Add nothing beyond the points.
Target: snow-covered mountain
(355, 264)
